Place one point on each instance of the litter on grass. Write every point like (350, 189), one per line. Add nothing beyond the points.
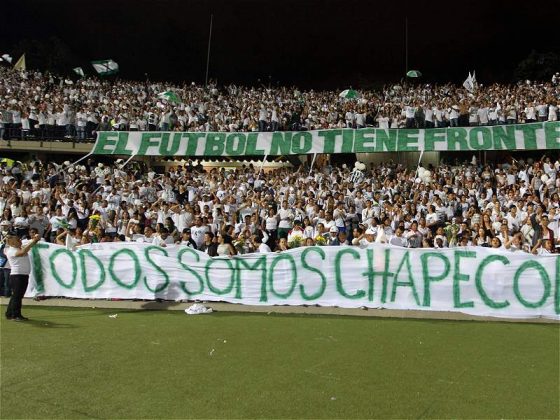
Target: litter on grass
(197, 309)
(113, 316)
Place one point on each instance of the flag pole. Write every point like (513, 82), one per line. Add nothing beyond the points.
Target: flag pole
(416, 173)
(73, 163)
(312, 162)
(419, 163)
(262, 166)
(129, 159)
(406, 44)
(208, 53)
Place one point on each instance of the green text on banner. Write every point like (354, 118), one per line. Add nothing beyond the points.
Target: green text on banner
(535, 136)
(479, 281)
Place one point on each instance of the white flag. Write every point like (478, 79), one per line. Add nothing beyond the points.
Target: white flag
(7, 57)
(20, 65)
(105, 67)
(79, 71)
(469, 83)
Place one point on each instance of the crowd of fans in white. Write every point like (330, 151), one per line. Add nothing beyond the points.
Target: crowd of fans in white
(41, 105)
(225, 212)
(514, 206)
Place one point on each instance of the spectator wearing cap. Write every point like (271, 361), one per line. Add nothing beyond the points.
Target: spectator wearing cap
(186, 239)
(332, 239)
(368, 238)
(5, 226)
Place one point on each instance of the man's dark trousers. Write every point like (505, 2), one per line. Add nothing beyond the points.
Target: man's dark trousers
(18, 283)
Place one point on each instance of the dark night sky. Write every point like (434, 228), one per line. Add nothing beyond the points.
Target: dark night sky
(310, 43)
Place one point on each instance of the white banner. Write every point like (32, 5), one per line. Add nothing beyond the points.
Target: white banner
(535, 136)
(479, 281)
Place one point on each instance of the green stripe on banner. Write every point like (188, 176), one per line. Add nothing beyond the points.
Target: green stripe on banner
(536, 136)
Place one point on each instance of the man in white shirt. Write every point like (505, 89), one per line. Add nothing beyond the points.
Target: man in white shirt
(398, 239)
(20, 265)
(439, 114)
(409, 114)
(368, 213)
(429, 117)
(286, 216)
(81, 122)
(349, 117)
(360, 120)
(482, 114)
(198, 231)
(530, 114)
(57, 221)
(339, 215)
(542, 112)
(368, 239)
(163, 239)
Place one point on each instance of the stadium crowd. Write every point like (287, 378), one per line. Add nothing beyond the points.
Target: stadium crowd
(513, 206)
(225, 212)
(39, 105)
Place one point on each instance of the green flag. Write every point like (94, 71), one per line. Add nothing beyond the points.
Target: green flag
(170, 96)
(105, 67)
(413, 73)
(349, 94)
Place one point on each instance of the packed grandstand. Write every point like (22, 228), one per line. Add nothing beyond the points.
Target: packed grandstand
(511, 204)
(514, 205)
(35, 105)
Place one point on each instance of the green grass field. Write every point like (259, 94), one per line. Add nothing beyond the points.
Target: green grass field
(80, 363)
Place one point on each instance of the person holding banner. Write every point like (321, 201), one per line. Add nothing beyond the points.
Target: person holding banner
(19, 277)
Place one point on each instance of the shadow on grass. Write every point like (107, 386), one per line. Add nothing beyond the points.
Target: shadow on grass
(38, 323)
(163, 305)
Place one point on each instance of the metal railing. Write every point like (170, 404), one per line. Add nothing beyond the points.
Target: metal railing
(47, 133)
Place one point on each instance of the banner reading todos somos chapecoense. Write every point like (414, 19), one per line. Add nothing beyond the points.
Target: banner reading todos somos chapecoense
(534, 136)
(472, 280)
